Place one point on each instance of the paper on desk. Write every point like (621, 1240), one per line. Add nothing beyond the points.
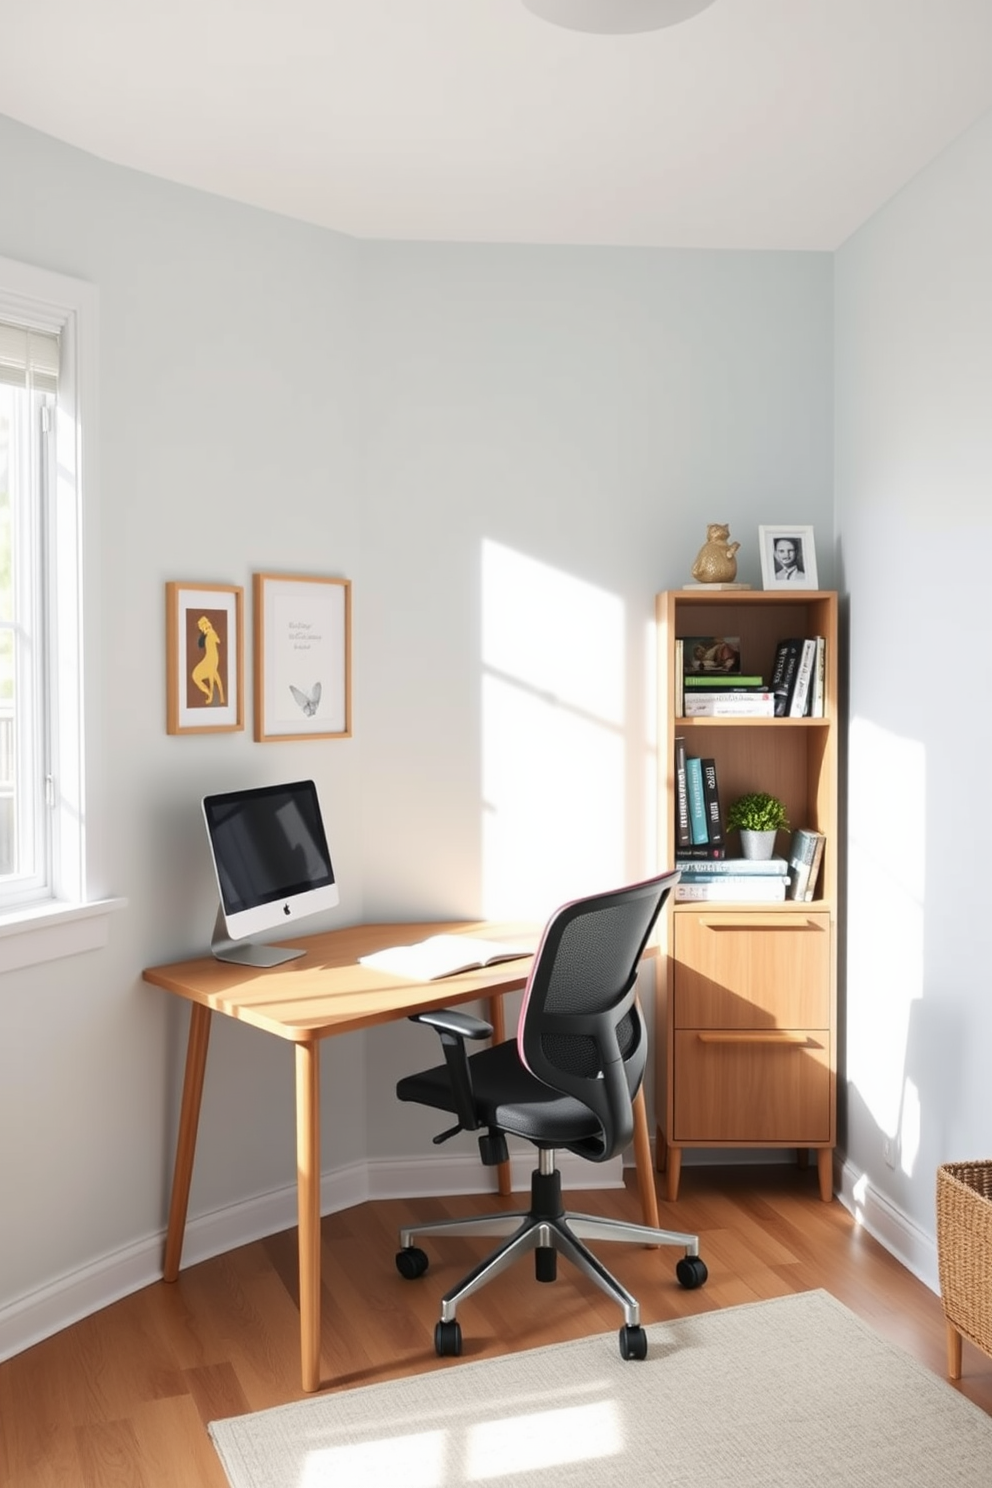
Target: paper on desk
(443, 955)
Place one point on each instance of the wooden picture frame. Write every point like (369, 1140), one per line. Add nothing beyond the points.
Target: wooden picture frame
(204, 658)
(302, 661)
(788, 557)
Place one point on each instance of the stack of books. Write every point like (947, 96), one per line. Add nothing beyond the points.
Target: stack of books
(798, 677)
(805, 858)
(727, 697)
(732, 880)
(709, 682)
(698, 814)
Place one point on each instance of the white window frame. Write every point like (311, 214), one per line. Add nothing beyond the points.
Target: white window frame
(63, 919)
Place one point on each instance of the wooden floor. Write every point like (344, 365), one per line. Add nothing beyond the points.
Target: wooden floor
(123, 1397)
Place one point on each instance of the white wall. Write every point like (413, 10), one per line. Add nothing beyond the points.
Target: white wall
(508, 451)
(914, 519)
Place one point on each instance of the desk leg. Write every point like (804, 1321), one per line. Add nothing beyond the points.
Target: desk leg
(189, 1120)
(498, 1020)
(308, 1201)
(645, 1167)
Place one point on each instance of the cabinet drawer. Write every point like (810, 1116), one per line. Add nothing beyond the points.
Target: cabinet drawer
(752, 1087)
(737, 970)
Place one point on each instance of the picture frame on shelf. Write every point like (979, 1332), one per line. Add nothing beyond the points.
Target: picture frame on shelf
(302, 660)
(788, 557)
(204, 658)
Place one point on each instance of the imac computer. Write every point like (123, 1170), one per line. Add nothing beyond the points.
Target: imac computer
(272, 865)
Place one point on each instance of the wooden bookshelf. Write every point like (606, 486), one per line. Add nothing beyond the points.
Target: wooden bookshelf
(746, 1026)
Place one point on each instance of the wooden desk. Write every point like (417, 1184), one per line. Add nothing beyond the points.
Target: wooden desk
(323, 993)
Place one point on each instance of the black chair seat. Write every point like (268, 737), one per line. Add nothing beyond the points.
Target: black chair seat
(507, 1096)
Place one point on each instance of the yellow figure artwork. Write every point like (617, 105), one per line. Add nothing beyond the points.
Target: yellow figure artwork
(206, 674)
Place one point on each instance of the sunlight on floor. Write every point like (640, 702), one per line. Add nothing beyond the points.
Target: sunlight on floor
(477, 1453)
(415, 1461)
(545, 1439)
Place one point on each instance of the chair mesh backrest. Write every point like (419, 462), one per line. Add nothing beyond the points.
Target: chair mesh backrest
(581, 1030)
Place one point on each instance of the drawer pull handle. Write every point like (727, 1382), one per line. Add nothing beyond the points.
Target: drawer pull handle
(751, 924)
(729, 1036)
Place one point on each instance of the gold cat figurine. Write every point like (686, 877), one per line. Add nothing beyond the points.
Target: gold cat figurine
(715, 562)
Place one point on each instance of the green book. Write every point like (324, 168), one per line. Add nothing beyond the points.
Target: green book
(713, 680)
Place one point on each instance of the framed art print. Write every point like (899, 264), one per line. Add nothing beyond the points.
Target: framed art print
(204, 658)
(788, 557)
(302, 629)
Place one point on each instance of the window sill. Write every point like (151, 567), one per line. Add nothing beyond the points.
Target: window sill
(44, 932)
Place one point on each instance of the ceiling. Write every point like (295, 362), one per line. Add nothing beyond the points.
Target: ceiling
(757, 124)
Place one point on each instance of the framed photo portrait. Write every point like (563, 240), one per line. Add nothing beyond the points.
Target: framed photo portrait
(204, 658)
(302, 629)
(788, 557)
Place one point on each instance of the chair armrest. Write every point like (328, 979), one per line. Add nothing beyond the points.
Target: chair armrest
(462, 1025)
(453, 1028)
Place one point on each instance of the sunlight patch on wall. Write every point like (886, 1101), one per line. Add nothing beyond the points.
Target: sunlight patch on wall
(553, 711)
(886, 866)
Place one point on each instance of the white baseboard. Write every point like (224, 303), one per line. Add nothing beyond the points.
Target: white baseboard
(900, 1235)
(79, 1293)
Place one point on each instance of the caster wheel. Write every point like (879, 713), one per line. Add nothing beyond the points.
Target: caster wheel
(691, 1272)
(448, 1339)
(633, 1343)
(411, 1263)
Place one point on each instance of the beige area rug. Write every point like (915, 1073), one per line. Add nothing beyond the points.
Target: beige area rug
(794, 1393)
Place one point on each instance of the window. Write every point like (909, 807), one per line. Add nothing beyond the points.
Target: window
(29, 362)
(43, 320)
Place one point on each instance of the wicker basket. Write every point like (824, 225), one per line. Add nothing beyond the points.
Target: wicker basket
(964, 1255)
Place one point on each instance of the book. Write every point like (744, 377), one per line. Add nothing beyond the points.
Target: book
(711, 681)
(734, 705)
(814, 867)
(800, 860)
(707, 691)
(787, 655)
(818, 691)
(697, 805)
(683, 835)
(679, 677)
(799, 698)
(702, 853)
(442, 956)
(710, 654)
(702, 868)
(735, 888)
(711, 802)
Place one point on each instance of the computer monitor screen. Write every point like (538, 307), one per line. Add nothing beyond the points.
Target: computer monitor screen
(272, 865)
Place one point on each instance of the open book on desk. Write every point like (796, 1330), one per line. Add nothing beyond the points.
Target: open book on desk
(442, 956)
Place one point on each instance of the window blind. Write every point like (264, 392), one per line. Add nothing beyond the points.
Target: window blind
(29, 358)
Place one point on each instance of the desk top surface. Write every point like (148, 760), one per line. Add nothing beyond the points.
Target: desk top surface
(327, 991)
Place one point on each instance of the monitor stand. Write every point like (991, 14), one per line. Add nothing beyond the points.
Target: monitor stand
(244, 953)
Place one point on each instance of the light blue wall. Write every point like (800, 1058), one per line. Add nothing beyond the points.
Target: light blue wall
(226, 443)
(508, 451)
(914, 520)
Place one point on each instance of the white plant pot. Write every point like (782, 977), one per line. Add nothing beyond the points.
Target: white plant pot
(758, 844)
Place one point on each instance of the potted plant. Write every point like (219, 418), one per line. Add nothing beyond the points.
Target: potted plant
(758, 817)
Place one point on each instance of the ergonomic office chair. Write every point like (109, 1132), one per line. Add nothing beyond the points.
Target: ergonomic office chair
(567, 1081)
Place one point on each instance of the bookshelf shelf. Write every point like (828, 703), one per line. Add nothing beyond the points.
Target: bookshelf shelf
(747, 992)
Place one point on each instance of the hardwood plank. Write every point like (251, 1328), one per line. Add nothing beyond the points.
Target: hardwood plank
(124, 1396)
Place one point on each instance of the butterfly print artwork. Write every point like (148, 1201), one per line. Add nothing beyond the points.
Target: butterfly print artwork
(309, 702)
